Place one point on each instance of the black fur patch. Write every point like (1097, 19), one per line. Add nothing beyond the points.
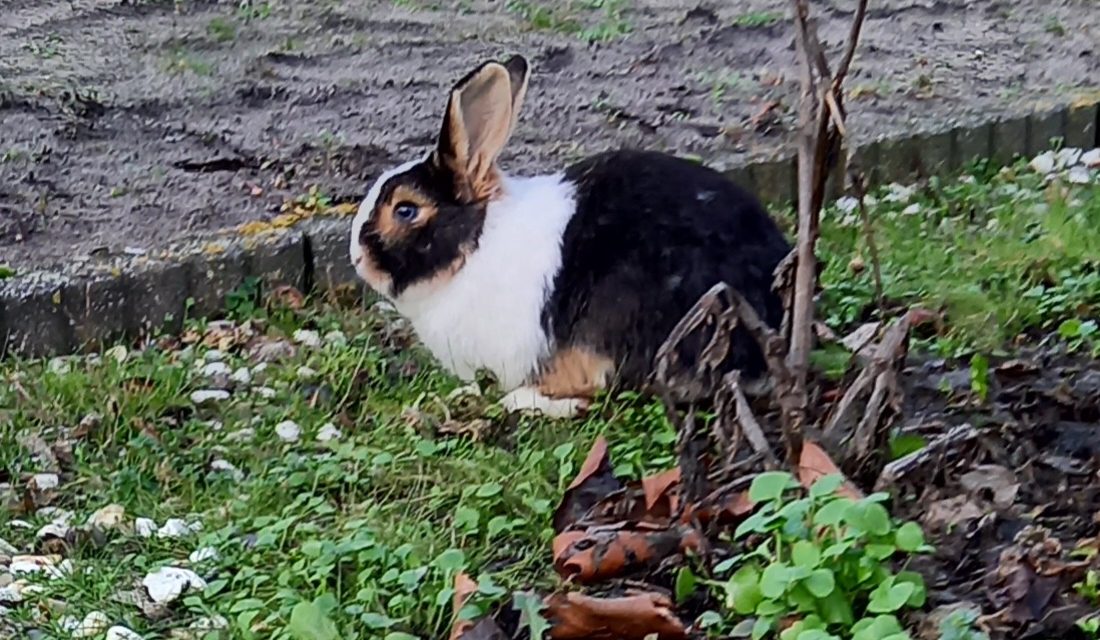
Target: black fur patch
(651, 234)
(427, 250)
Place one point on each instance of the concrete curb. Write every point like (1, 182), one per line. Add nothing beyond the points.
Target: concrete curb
(45, 314)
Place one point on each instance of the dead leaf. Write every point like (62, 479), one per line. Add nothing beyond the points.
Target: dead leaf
(990, 481)
(575, 616)
(943, 515)
(815, 463)
(287, 297)
(602, 553)
(464, 587)
(658, 486)
(593, 483)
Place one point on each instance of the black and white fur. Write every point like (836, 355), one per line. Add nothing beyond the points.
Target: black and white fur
(559, 284)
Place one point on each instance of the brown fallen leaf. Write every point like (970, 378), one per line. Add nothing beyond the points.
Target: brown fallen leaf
(575, 616)
(603, 553)
(944, 515)
(464, 587)
(288, 297)
(815, 463)
(593, 483)
(657, 488)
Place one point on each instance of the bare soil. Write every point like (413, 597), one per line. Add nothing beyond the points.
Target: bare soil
(128, 124)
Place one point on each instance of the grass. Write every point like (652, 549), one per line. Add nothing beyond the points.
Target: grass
(377, 521)
(1001, 253)
(589, 20)
(367, 530)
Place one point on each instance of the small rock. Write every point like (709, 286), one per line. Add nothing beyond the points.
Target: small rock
(226, 466)
(209, 396)
(847, 204)
(212, 623)
(911, 210)
(122, 633)
(307, 338)
(53, 530)
(145, 527)
(328, 431)
(57, 515)
(32, 564)
(202, 554)
(168, 583)
(108, 517)
(242, 376)
(336, 338)
(93, 624)
(214, 425)
(118, 353)
(266, 393)
(214, 355)
(1079, 175)
(1091, 159)
(305, 373)
(7, 548)
(11, 594)
(1068, 157)
(60, 366)
(176, 528)
(1044, 163)
(288, 431)
(45, 481)
(899, 193)
(215, 369)
(70, 623)
(260, 368)
(272, 351)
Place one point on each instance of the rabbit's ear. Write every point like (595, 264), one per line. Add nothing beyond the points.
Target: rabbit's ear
(480, 116)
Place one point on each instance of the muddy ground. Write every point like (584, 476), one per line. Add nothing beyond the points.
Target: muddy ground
(126, 124)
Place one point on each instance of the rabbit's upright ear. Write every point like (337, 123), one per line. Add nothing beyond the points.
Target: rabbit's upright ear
(481, 114)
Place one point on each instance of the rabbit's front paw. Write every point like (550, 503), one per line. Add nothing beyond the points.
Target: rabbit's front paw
(530, 399)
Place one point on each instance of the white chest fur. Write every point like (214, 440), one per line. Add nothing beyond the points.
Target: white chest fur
(489, 314)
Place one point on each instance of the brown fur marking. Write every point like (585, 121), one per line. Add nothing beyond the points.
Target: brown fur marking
(575, 372)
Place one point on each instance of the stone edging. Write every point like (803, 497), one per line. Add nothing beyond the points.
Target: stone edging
(47, 314)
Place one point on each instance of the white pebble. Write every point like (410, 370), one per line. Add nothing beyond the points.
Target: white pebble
(168, 583)
(45, 481)
(847, 204)
(176, 528)
(122, 633)
(214, 355)
(108, 517)
(288, 431)
(226, 466)
(1068, 157)
(60, 365)
(21, 565)
(242, 376)
(1043, 163)
(305, 373)
(308, 338)
(328, 431)
(1091, 159)
(145, 527)
(53, 530)
(70, 623)
(259, 368)
(209, 395)
(118, 353)
(266, 393)
(93, 624)
(212, 369)
(212, 623)
(202, 554)
(1079, 175)
(336, 338)
(911, 210)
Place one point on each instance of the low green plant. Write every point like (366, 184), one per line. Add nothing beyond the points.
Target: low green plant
(757, 19)
(824, 560)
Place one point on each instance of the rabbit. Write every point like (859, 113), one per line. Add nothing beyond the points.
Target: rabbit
(564, 284)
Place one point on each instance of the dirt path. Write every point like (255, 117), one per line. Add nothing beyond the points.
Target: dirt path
(126, 124)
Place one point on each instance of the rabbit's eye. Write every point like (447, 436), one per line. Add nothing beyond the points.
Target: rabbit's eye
(405, 211)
